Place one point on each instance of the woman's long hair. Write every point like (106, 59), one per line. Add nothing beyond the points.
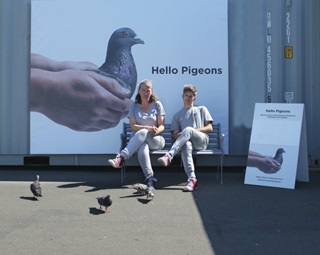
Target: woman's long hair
(153, 97)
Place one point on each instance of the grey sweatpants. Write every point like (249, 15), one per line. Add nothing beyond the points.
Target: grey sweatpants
(141, 142)
(190, 139)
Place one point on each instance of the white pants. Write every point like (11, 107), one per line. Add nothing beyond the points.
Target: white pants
(189, 140)
(141, 142)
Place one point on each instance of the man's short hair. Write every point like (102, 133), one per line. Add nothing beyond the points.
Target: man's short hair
(190, 88)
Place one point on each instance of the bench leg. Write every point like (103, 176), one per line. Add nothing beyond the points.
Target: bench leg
(123, 173)
(220, 169)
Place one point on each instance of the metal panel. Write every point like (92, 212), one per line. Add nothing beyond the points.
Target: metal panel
(260, 71)
(254, 62)
(14, 76)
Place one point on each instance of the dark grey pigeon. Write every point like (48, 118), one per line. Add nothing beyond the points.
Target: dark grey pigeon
(105, 201)
(119, 63)
(36, 188)
(278, 157)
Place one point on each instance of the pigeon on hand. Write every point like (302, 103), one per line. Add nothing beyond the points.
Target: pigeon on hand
(141, 189)
(278, 157)
(119, 63)
(36, 188)
(105, 201)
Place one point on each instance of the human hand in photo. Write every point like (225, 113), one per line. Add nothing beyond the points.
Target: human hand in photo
(266, 164)
(41, 62)
(78, 99)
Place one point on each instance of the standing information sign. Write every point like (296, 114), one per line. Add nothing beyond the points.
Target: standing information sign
(278, 146)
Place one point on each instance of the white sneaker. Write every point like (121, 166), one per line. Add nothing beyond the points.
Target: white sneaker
(165, 160)
(116, 162)
(192, 184)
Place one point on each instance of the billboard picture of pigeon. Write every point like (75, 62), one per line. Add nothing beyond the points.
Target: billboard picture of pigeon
(85, 65)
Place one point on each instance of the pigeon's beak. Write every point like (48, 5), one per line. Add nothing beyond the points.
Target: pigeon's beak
(138, 40)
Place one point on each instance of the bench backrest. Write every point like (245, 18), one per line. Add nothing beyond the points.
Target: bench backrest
(215, 138)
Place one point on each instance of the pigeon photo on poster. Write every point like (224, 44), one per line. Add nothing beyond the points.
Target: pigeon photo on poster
(274, 147)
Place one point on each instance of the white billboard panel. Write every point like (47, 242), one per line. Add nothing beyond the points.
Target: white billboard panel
(184, 42)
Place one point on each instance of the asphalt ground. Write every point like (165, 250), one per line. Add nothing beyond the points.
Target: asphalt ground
(229, 218)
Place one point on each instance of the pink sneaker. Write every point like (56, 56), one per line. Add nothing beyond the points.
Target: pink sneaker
(116, 162)
(165, 160)
(192, 184)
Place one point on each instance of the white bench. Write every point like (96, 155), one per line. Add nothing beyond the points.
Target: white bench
(215, 146)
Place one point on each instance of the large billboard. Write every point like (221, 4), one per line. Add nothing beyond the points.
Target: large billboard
(76, 103)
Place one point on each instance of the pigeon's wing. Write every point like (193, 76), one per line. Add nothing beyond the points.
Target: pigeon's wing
(39, 190)
(108, 201)
(140, 188)
(33, 190)
(36, 189)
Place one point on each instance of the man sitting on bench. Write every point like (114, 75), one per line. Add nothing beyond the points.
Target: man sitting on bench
(189, 129)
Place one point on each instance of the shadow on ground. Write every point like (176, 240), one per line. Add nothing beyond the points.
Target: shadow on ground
(247, 219)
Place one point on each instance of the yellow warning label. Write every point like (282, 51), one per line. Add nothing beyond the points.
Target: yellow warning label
(288, 52)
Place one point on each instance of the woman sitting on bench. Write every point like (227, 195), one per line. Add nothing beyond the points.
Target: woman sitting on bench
(146, 117)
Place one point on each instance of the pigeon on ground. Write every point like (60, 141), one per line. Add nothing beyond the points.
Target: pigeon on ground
(278, 157)
(141, 189)
(119, 63)
(36, 188)
(105, 201)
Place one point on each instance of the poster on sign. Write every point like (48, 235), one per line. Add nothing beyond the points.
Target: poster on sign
(277, 154)
(171, 43)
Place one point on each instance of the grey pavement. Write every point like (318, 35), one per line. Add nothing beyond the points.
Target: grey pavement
(232, 218)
